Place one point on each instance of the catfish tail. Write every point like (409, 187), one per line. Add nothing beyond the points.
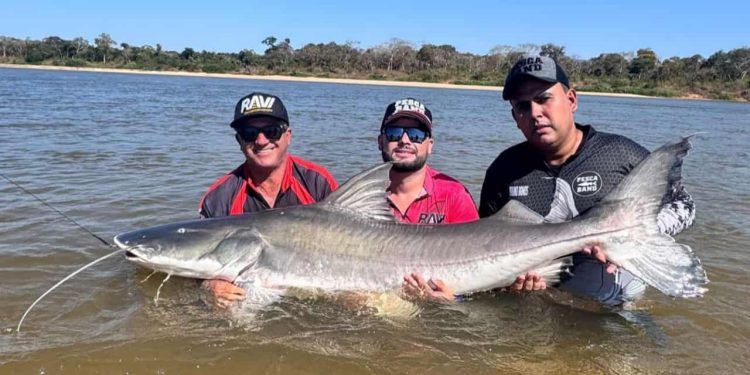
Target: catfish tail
(642, 249)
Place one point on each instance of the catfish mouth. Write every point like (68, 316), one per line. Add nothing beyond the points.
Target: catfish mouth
(131, 252)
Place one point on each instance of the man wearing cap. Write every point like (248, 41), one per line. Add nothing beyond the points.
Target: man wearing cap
(419, 194)
(269, 178)
(562, 170)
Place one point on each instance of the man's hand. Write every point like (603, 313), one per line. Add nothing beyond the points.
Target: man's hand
(224, 292)
(528, 282)
(416, 287)
(597, 253)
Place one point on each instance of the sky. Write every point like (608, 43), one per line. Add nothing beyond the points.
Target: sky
(585, 28)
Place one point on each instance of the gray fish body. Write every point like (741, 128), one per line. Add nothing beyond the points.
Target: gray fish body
(350, 241)
(310, 247)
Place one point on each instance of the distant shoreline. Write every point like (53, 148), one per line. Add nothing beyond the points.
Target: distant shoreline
(309, 79)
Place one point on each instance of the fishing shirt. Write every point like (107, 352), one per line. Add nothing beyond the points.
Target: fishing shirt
(443, 200)
(600, 163)
(304, 182)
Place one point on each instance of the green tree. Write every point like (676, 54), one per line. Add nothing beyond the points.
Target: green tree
(554, 51)
(80, 46)
(278, 56)
(608, 65)
(644, 62)
(104, 43)
(270, 41)
(187, 54)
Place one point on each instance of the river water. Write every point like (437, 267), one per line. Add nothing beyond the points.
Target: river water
(119, 152)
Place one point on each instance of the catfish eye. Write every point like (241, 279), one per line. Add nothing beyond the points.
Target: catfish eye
(181, 230)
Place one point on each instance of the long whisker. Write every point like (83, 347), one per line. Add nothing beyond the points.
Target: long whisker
(18, 329)
(158, 290)
(148, 277)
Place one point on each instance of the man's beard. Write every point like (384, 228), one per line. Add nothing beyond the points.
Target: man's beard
(405, 166)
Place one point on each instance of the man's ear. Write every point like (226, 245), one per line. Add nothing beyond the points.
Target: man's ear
(380, 142)
(238, 139)
(513, 113)
(573, 98)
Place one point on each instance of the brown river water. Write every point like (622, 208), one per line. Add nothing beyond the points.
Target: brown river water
(122, 152)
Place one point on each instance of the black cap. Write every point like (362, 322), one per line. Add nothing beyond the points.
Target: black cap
(259, 104)
(533, 66)
(408, 107)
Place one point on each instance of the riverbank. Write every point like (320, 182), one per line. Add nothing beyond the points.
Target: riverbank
(301, 79)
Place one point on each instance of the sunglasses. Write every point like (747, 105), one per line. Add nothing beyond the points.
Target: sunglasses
(271, 132)
(395, 133)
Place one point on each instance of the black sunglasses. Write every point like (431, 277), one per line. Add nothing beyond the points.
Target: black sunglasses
(394, 134)
(272, 132)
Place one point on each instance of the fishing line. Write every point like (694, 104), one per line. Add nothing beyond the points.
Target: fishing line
(18, 329)
(56, 210)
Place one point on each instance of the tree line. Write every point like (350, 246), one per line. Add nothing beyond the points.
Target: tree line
(723, 75)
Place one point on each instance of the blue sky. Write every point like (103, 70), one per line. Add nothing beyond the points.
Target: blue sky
(585, 28)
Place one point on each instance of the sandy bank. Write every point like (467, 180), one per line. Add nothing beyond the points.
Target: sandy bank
(294, 79)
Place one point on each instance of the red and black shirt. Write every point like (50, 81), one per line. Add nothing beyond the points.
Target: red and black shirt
(304, 182)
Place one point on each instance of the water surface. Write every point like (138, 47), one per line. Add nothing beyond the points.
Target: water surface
(121, 152)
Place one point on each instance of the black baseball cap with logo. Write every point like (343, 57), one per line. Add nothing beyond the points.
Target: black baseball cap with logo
(535, 67)
(408, 107)
(259, 104)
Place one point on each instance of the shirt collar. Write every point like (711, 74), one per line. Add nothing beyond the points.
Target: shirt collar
(286, 180)
(428, 187)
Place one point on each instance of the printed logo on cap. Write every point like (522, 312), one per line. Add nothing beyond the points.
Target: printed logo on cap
(257, 103)
(409, 105)
(587, 184)
(531, 64)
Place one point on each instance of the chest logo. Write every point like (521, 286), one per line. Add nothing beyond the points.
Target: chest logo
(587, 184)
(431, 218)
(518, 191)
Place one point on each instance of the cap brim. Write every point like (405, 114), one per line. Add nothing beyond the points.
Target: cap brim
(247, 117)
(510, 88)
(422, 118)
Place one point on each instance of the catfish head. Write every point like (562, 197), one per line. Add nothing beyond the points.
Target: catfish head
(203, 249)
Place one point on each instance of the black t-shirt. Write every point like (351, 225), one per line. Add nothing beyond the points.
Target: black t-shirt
(600, 163)
(563, 192)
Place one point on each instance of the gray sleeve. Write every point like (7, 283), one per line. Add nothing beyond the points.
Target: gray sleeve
(204, 211)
